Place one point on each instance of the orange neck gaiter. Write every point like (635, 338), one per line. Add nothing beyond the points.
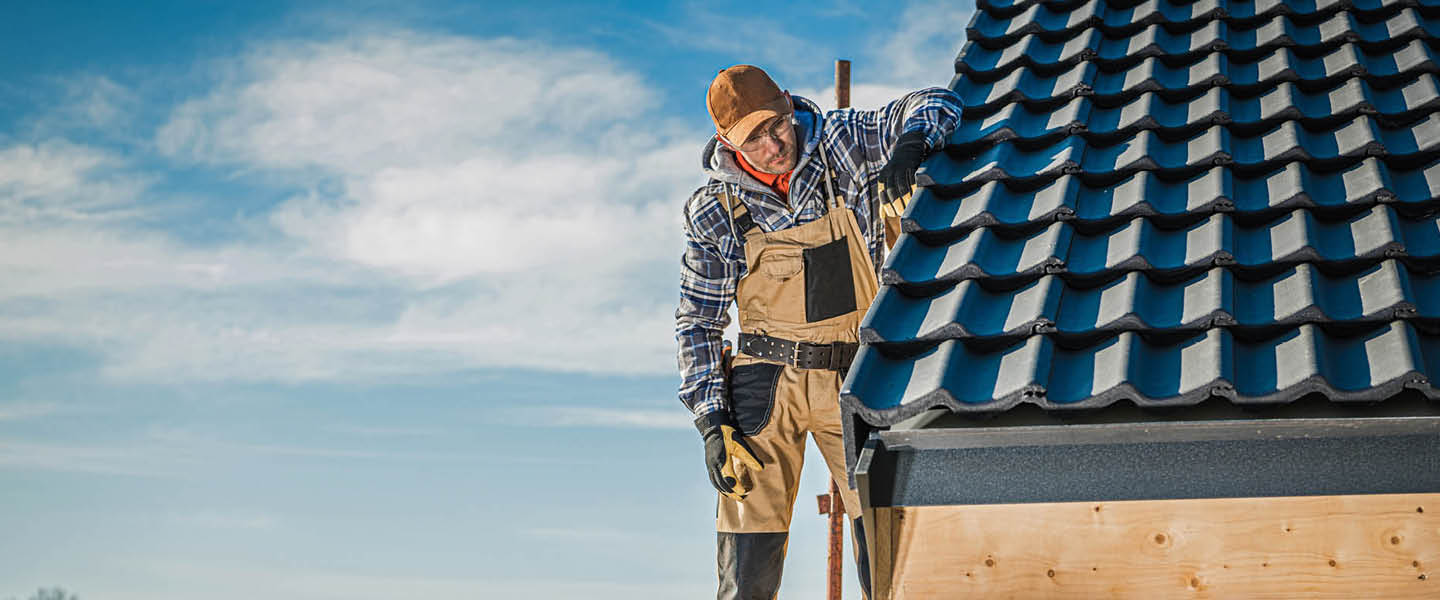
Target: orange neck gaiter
(780, 183)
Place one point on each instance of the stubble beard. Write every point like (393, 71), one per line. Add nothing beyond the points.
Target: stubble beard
(781, 164)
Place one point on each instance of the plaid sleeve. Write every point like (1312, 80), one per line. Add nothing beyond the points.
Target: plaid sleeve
(933, 111)
(709, 270)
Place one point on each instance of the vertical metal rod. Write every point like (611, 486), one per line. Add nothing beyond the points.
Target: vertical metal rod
(837, 505)
(837, 544)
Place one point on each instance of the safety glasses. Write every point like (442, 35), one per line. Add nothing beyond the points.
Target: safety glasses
(774, 129)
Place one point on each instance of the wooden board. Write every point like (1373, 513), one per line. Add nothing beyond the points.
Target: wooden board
(1376, 546)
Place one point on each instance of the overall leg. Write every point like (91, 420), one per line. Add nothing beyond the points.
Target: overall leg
(752, 534)
(828, 432)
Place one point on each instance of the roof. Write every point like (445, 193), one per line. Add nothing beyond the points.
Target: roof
(1164, 203)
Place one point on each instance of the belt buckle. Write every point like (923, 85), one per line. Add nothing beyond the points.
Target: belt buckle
(795, 354)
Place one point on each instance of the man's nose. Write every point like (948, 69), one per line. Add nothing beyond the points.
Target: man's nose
(772, 143)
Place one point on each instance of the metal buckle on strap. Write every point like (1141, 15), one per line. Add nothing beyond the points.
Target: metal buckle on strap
(833, 356)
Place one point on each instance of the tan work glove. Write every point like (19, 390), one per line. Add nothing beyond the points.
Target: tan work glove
(724, 446)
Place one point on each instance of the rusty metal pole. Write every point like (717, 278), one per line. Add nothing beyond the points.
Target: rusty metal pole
(837, 543)
(831, 504)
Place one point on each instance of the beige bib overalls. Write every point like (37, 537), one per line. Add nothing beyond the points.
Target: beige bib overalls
(812, 284)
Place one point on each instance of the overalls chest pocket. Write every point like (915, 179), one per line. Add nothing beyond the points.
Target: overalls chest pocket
(774, 290)
(780, 264)
(793, 283)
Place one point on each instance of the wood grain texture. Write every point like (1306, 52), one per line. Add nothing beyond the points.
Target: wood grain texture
(1371, 546)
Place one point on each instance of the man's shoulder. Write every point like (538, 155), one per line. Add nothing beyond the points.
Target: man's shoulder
(705, 197)
(703, 210)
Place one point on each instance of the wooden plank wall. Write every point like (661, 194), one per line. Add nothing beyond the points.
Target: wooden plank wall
(1342, 547)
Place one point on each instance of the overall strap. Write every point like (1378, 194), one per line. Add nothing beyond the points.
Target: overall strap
(829, 181)
(740, 220)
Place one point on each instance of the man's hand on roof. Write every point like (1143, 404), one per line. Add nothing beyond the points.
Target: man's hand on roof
(897, 179)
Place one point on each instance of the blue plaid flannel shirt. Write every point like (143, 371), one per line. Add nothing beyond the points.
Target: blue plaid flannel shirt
(857, 145)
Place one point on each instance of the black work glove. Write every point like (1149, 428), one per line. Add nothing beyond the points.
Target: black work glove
(897, 178)
(724, 444)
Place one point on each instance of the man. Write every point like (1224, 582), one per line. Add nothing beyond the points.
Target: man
(788, 228)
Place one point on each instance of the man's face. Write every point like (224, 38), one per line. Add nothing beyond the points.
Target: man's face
(771, 147)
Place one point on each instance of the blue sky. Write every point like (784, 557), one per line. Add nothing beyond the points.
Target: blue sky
(312, 300)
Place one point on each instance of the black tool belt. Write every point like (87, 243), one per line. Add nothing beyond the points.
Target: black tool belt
(834, 357)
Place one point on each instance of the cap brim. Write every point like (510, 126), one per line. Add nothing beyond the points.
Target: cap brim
(740, 132)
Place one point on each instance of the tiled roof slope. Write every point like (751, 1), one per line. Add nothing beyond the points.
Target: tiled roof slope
(1165, 202)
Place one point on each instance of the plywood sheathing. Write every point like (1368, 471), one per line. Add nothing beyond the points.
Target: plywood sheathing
(1341, 547)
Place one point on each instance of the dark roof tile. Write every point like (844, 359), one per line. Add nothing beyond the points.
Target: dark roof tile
(1163, 202)
(1122, 20)
(1043, 92)
(1148, 371)
(1141, 245)
(1374, 295)
(1327, 194)
(1148, 150)
(1246, 114)
(1040, 55)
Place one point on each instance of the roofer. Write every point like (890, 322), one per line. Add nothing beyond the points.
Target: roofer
(788, 227)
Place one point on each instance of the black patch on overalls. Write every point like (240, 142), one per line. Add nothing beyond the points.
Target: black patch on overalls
(752, 395)
(829, 281)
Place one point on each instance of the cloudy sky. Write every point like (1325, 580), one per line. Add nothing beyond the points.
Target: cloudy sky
(310, 300)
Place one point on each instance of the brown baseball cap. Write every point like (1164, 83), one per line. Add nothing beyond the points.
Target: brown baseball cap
(741, 98)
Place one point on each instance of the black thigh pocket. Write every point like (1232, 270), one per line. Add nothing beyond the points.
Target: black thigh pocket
(829, 281)
(752, 395)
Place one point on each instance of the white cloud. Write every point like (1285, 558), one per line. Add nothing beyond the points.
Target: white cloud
(866, 96)
(468, 203)
(227, 519)
(181, 452)
(403, 99)
(225, 580)
(55, 179)
(583, 535)
(383, 432)
(459, 203)
(99, 101)
(458, 157)
(27, 410)
(766, 42)
(920, 53)
(87, 458)
(93, 105)
(529, 174)
(923, 50)
(583, 416)
(65, 258)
